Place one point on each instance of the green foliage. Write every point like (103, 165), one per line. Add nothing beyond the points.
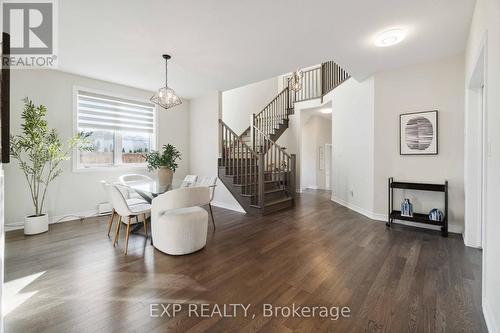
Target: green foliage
(170, 154)
(40, 151)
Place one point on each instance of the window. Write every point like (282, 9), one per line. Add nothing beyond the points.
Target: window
(122, 130)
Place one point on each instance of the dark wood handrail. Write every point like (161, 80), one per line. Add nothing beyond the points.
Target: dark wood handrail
(271, 102)
(271, 141)
(284, 91)
(238, 136)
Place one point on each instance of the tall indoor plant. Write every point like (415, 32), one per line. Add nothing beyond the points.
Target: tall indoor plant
(164, 162)
(40, 151)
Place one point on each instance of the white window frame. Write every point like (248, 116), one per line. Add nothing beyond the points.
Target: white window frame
(77, 167)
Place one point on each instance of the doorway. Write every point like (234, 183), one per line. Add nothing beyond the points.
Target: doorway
(328, 166)
(476, 153)
(315, 148)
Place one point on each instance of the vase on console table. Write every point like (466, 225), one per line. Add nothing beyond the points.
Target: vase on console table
(406, 208)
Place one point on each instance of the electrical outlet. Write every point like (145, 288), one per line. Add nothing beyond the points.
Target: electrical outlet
(352, 193)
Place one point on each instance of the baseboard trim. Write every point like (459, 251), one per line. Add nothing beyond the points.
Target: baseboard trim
(89, 213)
(353, 207)
(55, 219)
(489, 318)
(383, 218)
(315, 187)
(220, 204)
(470, 244)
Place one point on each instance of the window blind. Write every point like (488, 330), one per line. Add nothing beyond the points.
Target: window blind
(100, 112)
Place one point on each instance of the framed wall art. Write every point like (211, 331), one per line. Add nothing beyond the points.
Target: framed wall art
(418, 133)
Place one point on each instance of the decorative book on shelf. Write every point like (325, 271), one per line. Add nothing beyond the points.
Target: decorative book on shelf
(418, 217)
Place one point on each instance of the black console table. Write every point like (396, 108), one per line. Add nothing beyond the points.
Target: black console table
(419, 218)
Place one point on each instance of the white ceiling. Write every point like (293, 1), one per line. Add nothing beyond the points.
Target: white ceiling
(223, 44)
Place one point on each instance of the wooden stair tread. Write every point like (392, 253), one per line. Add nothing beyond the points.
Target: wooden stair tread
(255, 173)
(266, 192)
(250, 184)
(274, 202)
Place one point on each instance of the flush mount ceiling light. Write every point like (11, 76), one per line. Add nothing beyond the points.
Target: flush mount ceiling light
(166, 97)
(326, 111)
(390, 37)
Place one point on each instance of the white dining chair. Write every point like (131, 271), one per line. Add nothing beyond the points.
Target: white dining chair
(124, 191)
(133, 178)
(178, 223)
(189, 180)
(211, 182)
(123, 210)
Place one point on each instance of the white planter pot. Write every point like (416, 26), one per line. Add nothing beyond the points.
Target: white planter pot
(165, 176)
(34, 225)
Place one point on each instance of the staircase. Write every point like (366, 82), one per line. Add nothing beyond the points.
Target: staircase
(257, 171)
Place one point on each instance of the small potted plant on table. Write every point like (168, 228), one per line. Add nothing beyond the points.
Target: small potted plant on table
(40, 152)
(164, 162)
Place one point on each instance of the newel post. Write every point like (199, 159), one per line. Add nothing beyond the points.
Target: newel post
(293, 182)
(221, 140)
(252, 131)
(261, 171)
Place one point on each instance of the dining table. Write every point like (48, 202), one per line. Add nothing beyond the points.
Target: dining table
(149, 189)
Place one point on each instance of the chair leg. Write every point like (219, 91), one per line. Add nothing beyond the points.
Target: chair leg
(151, 238)
(117, 232)
(128, 234)
(212, 214)
(111, 221)
(145, 225)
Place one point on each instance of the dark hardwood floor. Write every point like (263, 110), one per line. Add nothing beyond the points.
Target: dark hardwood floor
(318, 253)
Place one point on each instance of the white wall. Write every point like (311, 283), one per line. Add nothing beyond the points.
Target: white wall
(204, 151)
(239, 103)
(316, 132)
(173, 128)
(486, 27)
(431, 86)
(352, 140)
(75, 192)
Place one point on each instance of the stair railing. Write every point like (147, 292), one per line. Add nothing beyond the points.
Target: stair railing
(332, 76)
(311, 85)
(273, 113)
(276, 163)
(240, 160)
(316, 82)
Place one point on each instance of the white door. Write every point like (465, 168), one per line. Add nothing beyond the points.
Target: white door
(484, 157)
(328, 165)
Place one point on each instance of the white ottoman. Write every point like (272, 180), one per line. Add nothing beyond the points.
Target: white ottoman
(180, 231)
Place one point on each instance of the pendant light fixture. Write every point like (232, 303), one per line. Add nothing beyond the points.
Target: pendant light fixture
(166, 97)
(296, 80)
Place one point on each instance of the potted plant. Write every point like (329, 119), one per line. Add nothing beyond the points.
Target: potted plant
(40, 152)
(164, 162)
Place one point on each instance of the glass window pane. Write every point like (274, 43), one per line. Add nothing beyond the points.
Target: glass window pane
(104, 150)
(135, 146)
